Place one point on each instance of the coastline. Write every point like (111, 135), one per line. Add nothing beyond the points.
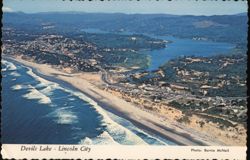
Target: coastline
(142, 119)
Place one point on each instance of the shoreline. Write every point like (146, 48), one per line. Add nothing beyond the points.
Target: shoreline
(115, 105)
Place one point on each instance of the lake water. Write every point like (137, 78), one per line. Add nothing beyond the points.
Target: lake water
(179, 47)
(36, 110)
(185, 47)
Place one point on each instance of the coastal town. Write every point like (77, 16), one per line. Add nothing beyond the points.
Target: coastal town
(166, 98)
(196, 92)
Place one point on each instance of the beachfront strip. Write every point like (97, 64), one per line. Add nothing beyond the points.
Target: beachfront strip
(190, 100)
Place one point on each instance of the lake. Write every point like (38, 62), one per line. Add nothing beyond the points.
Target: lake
(177, 48)
(185, 47)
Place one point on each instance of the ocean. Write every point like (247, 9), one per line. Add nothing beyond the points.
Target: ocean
(36, 110)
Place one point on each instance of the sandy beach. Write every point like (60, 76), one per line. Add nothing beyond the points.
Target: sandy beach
(88, 84)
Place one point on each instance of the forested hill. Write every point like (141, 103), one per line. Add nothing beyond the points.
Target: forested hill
(224, 28)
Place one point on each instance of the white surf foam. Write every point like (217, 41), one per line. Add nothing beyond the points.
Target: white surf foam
(48, 90)
(72, 99)
(64, 116)
(9, 66)
(102, 139)
(119, 133)
(130, 126)
(42, 95)
(35, 94)
(86, 141)
(3, 61)
(43, 81)
(115, 134)
(41, 85)
(16, 87)
(50, 86)
(15, 74)
(21, 86)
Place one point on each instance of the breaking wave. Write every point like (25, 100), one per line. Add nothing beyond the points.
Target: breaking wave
(9, 66)
(102, 139)
(146, 137)
(119, 134)
(65, 117)
(20, 86)
(3, 69)
(49, 90)
(43, 82)
(114, 133)
(35, 94)
(15, 74)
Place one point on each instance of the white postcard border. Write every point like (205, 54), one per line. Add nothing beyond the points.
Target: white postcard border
(28, 151)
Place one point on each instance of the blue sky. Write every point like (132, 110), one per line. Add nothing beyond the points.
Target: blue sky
(178, 7)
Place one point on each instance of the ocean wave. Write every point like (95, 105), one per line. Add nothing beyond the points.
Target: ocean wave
(15, 74)
(50, 86)
(40, 85)
(16, 87)
(19, 86)
(48, 90)
(119, 133)
(86, 141)
(43, 82)
(66, 117)
(146, 137)
(35, 94)
(9, 66)
(65, 108)
(3, 69)
(102, 139)
(72, 99)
